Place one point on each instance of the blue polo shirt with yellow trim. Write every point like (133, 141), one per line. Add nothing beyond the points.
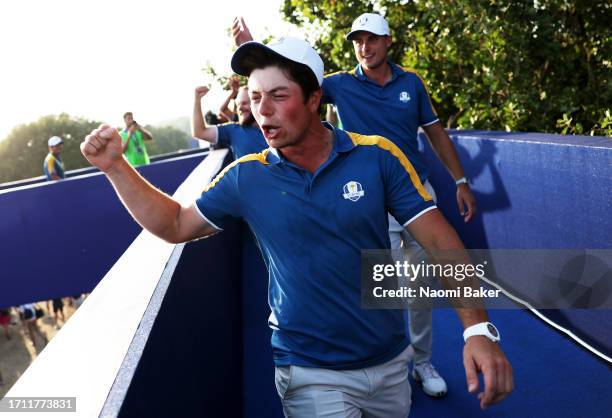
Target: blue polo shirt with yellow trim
(242, 140)
(394, 111)
(311, 228)
(53, 165)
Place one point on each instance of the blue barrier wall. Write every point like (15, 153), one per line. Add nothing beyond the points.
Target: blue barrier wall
(535, 191)
(60, 238)
(522, 205)
(191, 365)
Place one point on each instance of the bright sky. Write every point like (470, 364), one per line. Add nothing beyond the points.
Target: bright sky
(99, 59)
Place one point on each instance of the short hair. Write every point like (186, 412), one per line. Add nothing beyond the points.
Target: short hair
(301, 74)
(128, 113)
(211, 118)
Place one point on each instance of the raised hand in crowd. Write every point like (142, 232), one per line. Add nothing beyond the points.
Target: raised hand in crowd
(201, 91)
(240, 31)
(234, 85)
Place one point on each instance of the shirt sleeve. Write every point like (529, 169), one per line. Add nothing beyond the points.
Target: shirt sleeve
(427, 113)
(329, 82)
(220, 200)
(51, 166)
(406, 198)
(224, 134)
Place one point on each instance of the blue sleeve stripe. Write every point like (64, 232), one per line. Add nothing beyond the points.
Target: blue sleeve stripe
(261, 157)
(389, 146)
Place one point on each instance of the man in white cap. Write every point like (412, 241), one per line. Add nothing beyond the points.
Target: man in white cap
(379, 97)
(386, 99)
(314, 199)
(53, 166)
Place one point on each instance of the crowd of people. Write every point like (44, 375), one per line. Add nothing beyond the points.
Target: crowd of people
(314, 196)
(23, 321)
(133, 137)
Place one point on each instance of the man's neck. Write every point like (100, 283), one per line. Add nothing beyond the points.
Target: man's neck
(380, 75)
(314, 148)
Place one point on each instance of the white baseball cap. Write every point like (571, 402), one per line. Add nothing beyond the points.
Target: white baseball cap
(250, 54)
(55, 141)
(370, 22)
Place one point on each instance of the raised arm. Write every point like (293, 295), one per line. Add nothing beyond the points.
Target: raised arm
(240, 31)
(234, 85)
(199, 129)
(445, 151)
(124, 144)
(479, 354)
(330, 115)
(147, 136)
(151, 208)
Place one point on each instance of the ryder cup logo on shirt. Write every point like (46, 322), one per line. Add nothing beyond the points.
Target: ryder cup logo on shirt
(404, 97)
(353, 191)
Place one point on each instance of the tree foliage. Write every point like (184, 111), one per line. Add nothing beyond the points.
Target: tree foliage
(499, 65)
(23, 151)
(166, 139)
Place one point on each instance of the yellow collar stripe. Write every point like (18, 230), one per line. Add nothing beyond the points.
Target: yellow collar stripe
(387, 145)
(261, 157)
(351, 72)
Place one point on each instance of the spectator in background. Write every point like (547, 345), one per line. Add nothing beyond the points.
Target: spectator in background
(5, 320)
(29, 318)
(132, 138)
(211, 118)
(224, 110)
(53, 166)
(243, 137)
(58, 311)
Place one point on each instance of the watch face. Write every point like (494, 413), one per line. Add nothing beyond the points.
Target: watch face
(492, 330)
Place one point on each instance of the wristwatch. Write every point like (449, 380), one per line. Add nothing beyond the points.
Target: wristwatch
(485, 329)
(462, 180)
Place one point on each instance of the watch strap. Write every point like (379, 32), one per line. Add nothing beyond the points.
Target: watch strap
(486, 329)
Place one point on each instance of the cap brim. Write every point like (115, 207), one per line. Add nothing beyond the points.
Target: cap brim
(348, 35)
(251, 55)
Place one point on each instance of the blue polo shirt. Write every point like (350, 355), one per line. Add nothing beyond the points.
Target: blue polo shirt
(53, 165)
(311, 228)
(242, 140)
(394, 111)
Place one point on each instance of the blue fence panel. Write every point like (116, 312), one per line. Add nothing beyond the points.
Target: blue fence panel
(535, 191)
(60, 238)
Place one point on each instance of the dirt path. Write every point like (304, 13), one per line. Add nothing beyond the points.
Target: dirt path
(17, 353)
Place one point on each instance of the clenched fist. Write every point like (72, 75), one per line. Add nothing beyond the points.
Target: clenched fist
(201, 92)
(102, 148)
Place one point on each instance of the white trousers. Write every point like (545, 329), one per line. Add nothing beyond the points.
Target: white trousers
(381, 391)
